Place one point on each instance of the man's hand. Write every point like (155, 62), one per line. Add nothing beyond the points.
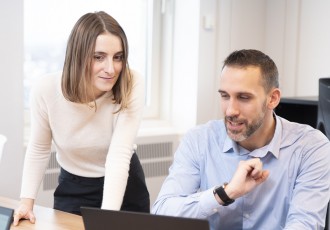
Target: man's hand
(24, 211)
(249, 174)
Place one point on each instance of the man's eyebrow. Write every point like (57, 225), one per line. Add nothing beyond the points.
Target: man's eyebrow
(238, 93)
(246, 93)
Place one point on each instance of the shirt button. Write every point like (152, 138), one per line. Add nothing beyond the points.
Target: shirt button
(246, 215)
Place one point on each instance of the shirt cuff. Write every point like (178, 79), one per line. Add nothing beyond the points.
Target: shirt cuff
(209, 205)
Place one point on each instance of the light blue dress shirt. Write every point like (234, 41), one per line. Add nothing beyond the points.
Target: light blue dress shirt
(294, 196)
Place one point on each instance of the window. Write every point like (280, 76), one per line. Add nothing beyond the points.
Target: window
(47, 25)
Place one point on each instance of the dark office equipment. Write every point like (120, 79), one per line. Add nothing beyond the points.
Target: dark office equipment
(299, 109)
(6, 217)
(323, 120)
(101, 219)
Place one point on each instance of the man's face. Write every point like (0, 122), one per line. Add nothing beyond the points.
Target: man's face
(243, 102)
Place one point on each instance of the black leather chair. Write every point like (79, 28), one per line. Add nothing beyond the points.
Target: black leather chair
(327, 220)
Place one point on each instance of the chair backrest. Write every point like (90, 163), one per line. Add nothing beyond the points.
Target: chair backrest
(3, 140)
(327, 219)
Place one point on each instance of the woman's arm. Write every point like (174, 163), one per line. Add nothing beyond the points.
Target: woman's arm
(121, 147)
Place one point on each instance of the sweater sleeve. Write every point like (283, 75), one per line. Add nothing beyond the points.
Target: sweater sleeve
(38, 149)
(121, 147)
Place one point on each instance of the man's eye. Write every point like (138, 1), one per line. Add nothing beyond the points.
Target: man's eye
(225, 96)
(244, 97)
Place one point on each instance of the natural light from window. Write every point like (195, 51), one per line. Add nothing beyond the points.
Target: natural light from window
(47, 25)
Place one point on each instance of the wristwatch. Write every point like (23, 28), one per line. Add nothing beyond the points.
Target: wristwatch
(220, 190)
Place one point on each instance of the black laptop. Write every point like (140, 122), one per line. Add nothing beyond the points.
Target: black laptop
(100, 219)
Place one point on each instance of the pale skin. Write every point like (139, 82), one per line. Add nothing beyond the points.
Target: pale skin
(248, 111)
(107, 66)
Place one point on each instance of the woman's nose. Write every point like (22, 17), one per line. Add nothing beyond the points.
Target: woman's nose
(108, 66)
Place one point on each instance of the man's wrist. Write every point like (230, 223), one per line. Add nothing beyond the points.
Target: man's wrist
(230, 191)
(217, 198)
(221, 195)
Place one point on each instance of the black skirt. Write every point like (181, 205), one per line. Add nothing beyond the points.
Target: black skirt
(75, 191)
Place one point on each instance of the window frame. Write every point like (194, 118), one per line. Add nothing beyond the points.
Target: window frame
(153, 62)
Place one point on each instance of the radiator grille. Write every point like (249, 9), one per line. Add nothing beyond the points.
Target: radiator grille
(52, 164)
(155, 159)
(155, 169)
(50, 181)
(156, 150)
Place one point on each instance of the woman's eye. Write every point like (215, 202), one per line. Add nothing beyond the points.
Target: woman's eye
(118, 57)
(98, 58)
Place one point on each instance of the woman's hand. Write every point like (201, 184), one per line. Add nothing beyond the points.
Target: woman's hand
(24, 211)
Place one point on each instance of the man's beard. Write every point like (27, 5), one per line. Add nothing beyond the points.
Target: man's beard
(238, 135)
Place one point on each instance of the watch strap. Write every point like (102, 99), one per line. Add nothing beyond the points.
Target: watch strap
(223, 195)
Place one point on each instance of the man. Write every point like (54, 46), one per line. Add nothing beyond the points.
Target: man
(253, 169)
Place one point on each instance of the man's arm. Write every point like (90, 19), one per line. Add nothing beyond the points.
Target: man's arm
(312, 189)
(179, 195)
(249, 174)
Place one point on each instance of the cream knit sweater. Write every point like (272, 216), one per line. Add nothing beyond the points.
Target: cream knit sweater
(88, 143)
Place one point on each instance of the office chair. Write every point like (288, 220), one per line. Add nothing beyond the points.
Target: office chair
(327, 219)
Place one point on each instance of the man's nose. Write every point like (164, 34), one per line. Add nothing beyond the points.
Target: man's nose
(232, 108)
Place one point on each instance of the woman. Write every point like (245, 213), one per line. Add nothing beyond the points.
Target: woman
(91, 113)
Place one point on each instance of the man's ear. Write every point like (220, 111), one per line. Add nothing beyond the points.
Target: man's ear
(274, 98)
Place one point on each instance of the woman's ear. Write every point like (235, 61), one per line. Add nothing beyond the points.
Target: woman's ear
(274, 98)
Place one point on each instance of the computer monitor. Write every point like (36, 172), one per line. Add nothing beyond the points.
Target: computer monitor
(323, 121)
(101, 219)
(323, 117)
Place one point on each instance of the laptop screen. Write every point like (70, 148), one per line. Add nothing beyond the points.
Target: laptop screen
(6, 215)
(96, 218)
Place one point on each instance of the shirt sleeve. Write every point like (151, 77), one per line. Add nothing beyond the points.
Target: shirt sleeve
(180, 194)
(121, 147)
(311, 192)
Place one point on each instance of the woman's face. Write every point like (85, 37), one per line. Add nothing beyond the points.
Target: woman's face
(107, 63)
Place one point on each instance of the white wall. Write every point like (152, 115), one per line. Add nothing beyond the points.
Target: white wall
(11, 95)
(194, 89)
(313, 45)
(185, 63)
(293, 33)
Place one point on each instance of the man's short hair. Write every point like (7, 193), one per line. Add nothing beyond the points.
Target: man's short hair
(250, 57)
